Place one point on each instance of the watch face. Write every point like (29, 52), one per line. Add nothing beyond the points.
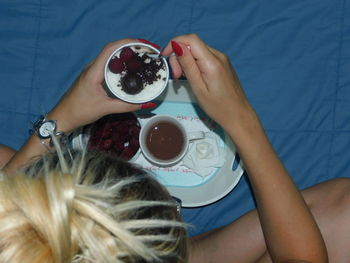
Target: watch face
(47, 129)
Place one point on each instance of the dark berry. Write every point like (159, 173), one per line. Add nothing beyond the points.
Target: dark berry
(107, 125)
(97, 133)
(126, 54)
(116, 66)
(122, 129)
(130, 122)
(114, 123)
(92, 144)
(133, 65)
(107, 144)
(118, 146)
(106, 133)
(134, 144)
(134, 131)
(132, 83)
(115, 136)
(124, 138)
(127, 153)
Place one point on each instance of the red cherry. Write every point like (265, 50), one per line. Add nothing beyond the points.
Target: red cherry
(116, 66)
(126, 54)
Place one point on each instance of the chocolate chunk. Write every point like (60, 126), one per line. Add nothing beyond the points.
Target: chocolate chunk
(132, 83)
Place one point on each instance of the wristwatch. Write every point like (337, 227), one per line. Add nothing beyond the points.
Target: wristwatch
(44, 128)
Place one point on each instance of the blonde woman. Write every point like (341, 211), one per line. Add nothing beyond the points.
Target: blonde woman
(288, 233)
(88, 208)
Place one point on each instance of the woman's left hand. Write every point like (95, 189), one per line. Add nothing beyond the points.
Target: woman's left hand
(87, 101)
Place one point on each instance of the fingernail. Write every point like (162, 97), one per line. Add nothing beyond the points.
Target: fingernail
(148, 42)
(177, 48)
(144, 41)
(148, 105)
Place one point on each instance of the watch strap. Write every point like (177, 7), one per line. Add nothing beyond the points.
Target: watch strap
(36, 127)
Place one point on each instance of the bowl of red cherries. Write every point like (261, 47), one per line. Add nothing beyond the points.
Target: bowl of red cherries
(117, 134)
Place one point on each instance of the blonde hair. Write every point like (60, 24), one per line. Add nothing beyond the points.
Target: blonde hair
(88, 208)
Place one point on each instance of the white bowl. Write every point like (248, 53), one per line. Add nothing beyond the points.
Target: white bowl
(149, 92)
(79, 141)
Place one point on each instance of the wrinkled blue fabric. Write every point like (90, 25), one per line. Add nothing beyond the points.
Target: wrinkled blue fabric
(292, 58)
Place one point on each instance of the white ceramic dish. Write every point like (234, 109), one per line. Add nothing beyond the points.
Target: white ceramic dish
(149, 92)
(79, 142)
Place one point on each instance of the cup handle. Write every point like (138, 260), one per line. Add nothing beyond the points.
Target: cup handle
(197, 135)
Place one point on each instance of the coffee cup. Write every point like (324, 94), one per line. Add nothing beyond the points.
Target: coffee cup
(164, 140)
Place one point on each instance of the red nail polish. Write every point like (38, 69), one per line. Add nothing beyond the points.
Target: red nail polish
(177, 48)
(148, 105)
(154, 45)
(143, 41)
(148, 42)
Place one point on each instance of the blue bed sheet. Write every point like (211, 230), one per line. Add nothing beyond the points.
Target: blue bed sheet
(292, 58)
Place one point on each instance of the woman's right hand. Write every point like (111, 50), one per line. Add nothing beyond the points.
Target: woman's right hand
(290, 231)
(212, 78)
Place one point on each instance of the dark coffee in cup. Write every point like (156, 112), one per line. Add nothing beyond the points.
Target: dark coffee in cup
(165, 140)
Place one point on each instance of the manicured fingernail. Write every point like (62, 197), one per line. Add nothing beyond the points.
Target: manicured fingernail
(148, 42)
(144, 41)
(177, 48)
(148, 105)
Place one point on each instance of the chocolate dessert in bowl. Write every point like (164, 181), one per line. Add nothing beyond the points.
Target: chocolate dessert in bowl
(131, 75)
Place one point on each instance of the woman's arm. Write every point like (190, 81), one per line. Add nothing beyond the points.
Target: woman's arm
(289, 229)
(85, 102)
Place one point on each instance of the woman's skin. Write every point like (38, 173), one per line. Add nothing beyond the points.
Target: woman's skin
(6, 154)
(85, 102)
(243, 240)
(288, 227)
